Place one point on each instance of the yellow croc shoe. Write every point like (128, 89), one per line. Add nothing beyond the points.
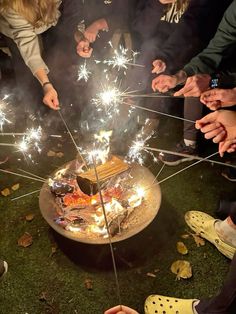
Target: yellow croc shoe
(204, 225)
(158, 304)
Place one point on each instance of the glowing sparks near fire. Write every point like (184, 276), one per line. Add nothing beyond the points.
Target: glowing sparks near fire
(3, 115)
(83, 73)
(135, 153)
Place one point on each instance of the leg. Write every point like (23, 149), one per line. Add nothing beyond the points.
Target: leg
(225, 301)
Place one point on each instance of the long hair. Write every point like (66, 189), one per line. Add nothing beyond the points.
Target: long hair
(36, 12)
(182, 4)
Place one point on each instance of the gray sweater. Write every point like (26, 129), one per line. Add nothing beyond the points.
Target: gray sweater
(26, 37)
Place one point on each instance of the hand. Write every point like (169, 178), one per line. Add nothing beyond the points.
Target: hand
(83, 49)
(221, 126)
(218, 98)
(91, 32)
(159, 66)
(121, 309)
(50, 98)
(163, 83)
(195, 86)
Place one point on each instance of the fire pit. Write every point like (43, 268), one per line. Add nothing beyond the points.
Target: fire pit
(71, 205)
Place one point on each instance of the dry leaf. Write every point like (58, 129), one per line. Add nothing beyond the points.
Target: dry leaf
(182, 269)
(60, 155)
(181, 248)
(51, 153)
(151, 275)
(29, 217)
(88, 284)
(15, 187)
(198, 240)
(185, 236)
(5, 192)
(25, 240)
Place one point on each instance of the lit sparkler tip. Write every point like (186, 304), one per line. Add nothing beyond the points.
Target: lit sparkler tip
(83, 73)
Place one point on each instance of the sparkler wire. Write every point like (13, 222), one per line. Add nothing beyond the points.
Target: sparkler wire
(32, 174)
(24, 195)
(108, 232)
(21, 175)
(159, 172)
(158, 112)
(187, 155)
(194, 164)
(72, 138)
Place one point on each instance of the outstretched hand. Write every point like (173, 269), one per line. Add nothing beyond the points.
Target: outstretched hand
(83, 48)
(50, 98)
(221, 127)
(195, 86)
(218, 98)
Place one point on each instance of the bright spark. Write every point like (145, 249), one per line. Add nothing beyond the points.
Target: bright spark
(83, 73)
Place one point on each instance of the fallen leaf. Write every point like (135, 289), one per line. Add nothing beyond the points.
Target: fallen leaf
(181, 248)
(5, 192)
(51, 153)
(15, 187)
(182, 269)
(185, 236)
(60, 155)
(198, 240)
(53, 249)
(25, 240)
(88, 284)
(151, 275)
(29, 217)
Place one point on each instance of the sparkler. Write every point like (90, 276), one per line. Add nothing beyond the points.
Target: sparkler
(83, 73)
(121, 60)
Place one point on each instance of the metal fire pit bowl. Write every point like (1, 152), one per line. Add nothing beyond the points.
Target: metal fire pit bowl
(138, 220)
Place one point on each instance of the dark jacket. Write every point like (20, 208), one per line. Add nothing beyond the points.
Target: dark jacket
(209, 60)
(183, 39)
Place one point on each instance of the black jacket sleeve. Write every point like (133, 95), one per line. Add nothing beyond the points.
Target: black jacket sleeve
(196, 27)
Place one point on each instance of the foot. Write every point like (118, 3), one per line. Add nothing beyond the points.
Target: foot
(161, 304)
(205, 225)
(3, 268)
(181, 153)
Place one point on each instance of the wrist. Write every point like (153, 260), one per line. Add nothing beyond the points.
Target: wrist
(47, 86)
(181, 77)
(101, 24)
(214, 81)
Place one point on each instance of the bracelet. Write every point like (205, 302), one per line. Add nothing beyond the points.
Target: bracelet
(46, 83)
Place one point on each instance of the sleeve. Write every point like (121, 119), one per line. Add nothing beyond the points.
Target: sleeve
(26, 40)
(210, 58)
(186, 40)
(147, 17)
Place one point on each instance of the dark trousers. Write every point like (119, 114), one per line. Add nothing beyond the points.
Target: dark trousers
(192, 111)
(225, 301)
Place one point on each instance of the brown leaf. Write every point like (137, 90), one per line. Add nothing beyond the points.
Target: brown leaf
(181, 248)
(88, 284)
(29, 217)
(51, 153)
(182, 269)
(151, 275)
(15, 187)
(25, 240)
(185, 236)
(6, 192)
(198, 240)
(60, 155)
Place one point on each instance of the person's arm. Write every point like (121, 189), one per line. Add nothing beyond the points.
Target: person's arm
(28, 44)
(210, 58)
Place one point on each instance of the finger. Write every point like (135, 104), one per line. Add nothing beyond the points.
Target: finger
(223, 147)
(220, 137)
(210, 127)
(214, 105)
(209, 118)
(214, 134)
(154, 84)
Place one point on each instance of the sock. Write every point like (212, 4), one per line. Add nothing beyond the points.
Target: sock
(194, 306)
(226, 231)
(190, 143)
